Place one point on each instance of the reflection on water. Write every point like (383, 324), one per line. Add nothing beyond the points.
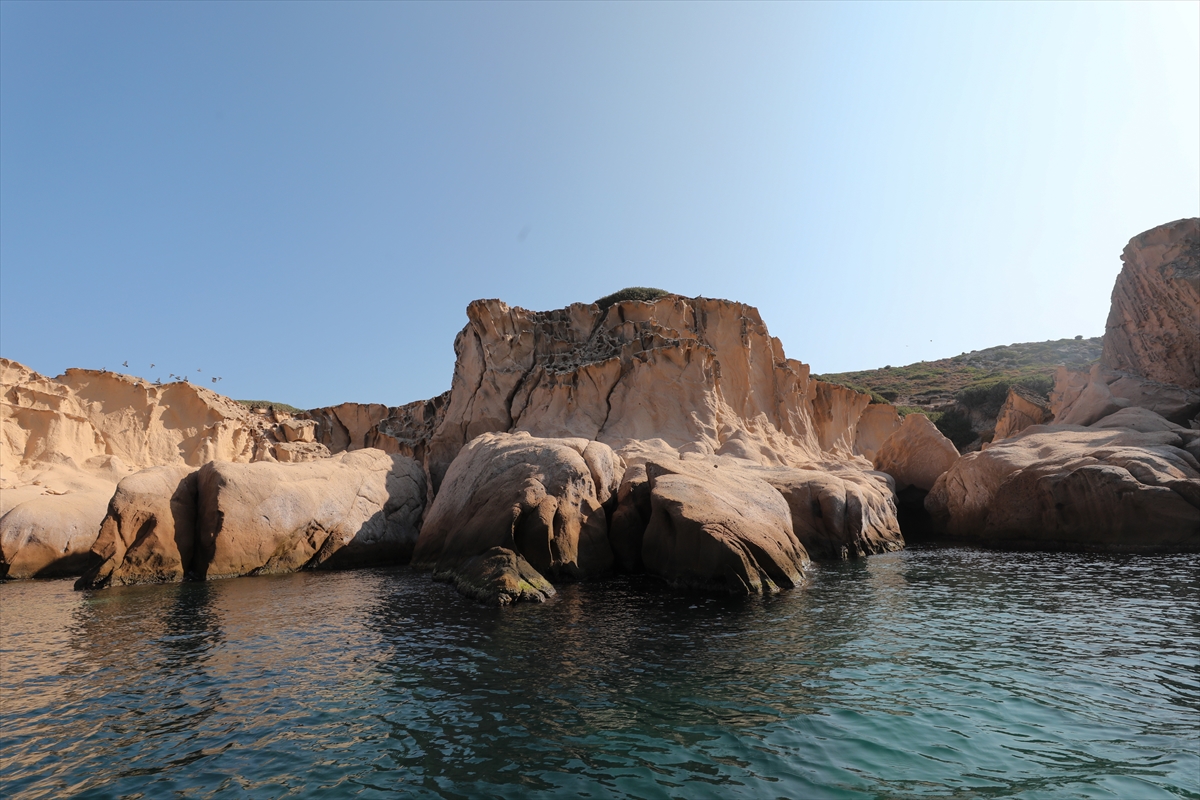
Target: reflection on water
(924, 673)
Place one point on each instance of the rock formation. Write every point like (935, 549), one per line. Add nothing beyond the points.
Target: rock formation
(1109, 487)
(1021, 409)
(148, 534)
(916, 454)
(542, 499)
(348, 510)
(1115, 470)
(1153, 327)
(65, 443)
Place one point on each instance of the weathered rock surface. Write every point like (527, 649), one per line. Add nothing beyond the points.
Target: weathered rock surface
(1153, 327)
(1081, 398)
(716, 527)
(916, 454)
(48, 524)
(148, 534)
(876, 423)
(1071, 487)
(542, 499)
(498, 577)
(600, 375)
(355, 508)
(1022, 408)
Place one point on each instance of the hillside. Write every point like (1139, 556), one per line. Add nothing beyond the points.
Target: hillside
(963, 394)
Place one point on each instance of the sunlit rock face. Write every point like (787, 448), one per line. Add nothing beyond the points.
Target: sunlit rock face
(678, 374)
(1153, 327)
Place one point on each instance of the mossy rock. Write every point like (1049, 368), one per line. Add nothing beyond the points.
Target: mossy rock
(644, 293)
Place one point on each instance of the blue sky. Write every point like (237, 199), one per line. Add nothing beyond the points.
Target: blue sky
(302, 198)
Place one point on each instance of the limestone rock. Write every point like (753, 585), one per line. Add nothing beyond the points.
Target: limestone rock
(355, 508)
(148, 534)
(540, 498)
(83, 414)
(497, 577)
(1153, 327)
(722, 529)
(1070, 487)
(1021, 409)
(916, 454)
(295, 452)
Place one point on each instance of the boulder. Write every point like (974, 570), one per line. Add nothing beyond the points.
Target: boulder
(148, 534)
(1153, 328)
(356, 508)
(877, 422)
(916, 454)
(497, 577)
(296, 452)
(837, 516)
(539, 498)
(716, 527)
(49, 523)
(1071, 487)
(1021, 409)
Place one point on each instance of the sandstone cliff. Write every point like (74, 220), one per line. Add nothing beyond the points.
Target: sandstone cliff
(65, 442)
(1153, 327)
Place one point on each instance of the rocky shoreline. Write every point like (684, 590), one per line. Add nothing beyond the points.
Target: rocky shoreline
(671, 437)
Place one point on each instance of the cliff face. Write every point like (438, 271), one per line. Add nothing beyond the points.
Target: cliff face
(690, 375)
(1153, 327)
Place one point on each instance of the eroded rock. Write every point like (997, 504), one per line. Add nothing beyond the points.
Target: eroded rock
(1070, 487)
(916, 454)
(148, 534)
(539, 498)
(356, 508)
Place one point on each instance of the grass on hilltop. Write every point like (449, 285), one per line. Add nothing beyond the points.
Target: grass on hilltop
(643, 293)
(267, 404)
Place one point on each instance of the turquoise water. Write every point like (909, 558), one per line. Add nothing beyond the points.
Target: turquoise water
(927, 673)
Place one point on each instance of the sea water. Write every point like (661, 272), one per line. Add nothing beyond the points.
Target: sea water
(932, 672)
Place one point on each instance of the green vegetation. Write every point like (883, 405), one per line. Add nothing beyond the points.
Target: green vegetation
(979, 379)
(267, 404)
(644, 293)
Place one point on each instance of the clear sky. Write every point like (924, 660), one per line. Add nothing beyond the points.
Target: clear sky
(302, 198)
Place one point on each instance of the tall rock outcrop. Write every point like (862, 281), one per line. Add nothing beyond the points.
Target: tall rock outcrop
(1153, 327)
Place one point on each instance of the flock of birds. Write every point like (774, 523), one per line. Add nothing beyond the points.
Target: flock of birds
(158, 381)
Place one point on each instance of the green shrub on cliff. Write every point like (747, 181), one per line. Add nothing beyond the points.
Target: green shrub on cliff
(643, 293)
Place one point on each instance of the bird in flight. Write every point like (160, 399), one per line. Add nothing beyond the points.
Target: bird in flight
(151, 366)
(124, 363)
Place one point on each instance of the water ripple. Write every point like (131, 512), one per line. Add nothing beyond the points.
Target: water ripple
(944, 673)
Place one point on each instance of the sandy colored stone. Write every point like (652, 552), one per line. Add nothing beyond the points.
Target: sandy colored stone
(149, 531)
(298, 430)
(295, 452)
(355, 508)
(837, 516)
(536, 497)
(916, 454)
(1021, 409)
(1071, 487)
(698, 375)
(1153, 327)
(877, 422)
(717, 529)
(49, 521)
